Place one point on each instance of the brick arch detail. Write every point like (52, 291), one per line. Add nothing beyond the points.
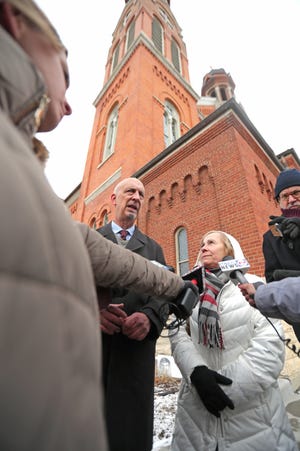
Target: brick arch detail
(106, 208)
(178, 191)
(175, 88)
(92, 219)
(265, 186)
(115, 89)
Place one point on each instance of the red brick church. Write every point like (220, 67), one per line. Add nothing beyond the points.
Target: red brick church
(203, 163)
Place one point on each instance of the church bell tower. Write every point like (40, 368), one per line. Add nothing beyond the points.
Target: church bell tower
(146, 102)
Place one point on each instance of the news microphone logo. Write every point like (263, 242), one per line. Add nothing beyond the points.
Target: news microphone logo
(235, 268)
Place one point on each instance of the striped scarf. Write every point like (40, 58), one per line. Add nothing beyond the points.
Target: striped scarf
(210, 333)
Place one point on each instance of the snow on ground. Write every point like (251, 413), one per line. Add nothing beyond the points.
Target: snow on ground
(166, 390)
(165, 402)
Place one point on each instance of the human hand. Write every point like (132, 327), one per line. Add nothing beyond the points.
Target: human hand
(290, 227)
(136, 326)
(275, 220)
(207, 382)
(112, 318)
(248, 291)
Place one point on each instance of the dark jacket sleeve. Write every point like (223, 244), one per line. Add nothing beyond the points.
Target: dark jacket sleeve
(271, 260)
(156, 310)
(280, 254)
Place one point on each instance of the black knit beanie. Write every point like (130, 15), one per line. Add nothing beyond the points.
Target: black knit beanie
(287, 178)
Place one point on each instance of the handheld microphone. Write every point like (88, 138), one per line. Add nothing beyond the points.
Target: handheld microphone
(183, 305)
(235, 268)
(195, 276)
(186, 302)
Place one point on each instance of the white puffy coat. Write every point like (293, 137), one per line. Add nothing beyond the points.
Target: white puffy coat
(253, 358)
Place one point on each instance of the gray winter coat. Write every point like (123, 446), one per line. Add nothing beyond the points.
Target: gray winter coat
(280, 299)
(50, 396)
(114, 266)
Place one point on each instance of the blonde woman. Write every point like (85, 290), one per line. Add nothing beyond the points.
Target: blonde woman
(228, 341)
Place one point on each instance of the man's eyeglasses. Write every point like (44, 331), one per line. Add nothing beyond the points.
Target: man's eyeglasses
(284, 197)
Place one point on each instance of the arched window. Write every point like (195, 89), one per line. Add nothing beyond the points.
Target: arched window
(182, 254)
(93, 224)
(111, 134)
(171, 124)
(166, 17)
(157, 34)
(115, 58)
(130, 34)
(175, 52)
(126, 18)
(223, 94)
(104, 218)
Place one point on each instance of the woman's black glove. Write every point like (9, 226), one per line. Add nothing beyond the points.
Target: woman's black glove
(206, 383)
(290, 227)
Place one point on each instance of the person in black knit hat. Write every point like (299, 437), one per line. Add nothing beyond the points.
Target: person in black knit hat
(281, 244)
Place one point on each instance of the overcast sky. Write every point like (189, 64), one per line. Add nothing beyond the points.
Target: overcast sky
(256, 41)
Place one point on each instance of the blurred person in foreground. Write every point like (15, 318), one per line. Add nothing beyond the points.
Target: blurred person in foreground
(130, 327)
(281, 243)
(50, 391)
(279, 299)
(239, 407)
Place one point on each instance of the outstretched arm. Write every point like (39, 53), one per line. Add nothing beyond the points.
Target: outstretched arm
(114, 266)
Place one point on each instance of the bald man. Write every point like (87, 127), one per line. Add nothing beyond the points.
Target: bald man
(130, 329)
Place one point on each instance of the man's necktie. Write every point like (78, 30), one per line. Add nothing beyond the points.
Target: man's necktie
(123, 234)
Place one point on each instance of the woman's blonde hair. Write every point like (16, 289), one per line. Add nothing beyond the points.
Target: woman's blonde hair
(226, 241)
(36, 18)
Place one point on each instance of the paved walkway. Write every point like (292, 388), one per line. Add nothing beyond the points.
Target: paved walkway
(292, 402)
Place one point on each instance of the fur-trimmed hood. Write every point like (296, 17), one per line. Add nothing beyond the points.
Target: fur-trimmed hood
(22, 89)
